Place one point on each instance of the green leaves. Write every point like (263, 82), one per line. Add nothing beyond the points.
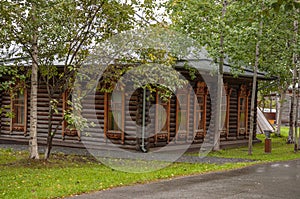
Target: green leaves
(286, 5)
(66, 29)
(57, 36)
(10, 77)
(202, 21)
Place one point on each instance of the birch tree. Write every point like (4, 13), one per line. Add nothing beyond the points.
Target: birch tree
(206, 22)
(287, 12)
(246, 46)
(33, 145)
(59, 31)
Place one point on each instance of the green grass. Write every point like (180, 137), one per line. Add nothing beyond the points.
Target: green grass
(64, 175)
(280, 150)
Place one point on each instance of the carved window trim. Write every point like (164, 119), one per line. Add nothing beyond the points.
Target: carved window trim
(225, 129)
(16, 109)
(162, 135)
(201, 94)
(113, 133)
(182, 134)
(243, 108)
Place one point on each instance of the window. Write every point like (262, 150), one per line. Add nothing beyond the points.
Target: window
(243, 111)
(114, 115)
(162, 120)
(200, 110)
(115, 112)
(19, 111)
(67, 128)
(182, 115)
(225, 110)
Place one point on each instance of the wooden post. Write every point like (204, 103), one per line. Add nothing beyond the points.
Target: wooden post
(268, 145)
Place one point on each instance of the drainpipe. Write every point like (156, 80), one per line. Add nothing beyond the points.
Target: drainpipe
(143, 122)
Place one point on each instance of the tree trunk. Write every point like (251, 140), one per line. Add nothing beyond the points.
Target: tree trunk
(292, 108)
(296, 120)
(293, 117)
(50, 133)
(253, 94)
(49, 146)
(33, 145)
(280, 111)
(297, 93)
(253, 97)
(220, 86)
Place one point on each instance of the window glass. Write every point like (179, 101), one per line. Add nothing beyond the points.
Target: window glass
(182, 117)
(19, 109)
(242, 113)
(200, 112)
(114, 111)
(162, 118)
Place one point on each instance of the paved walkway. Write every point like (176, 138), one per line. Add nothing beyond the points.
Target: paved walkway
(118, 154)
(268, 181)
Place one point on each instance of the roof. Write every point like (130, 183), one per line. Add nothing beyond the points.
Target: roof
(196, 59)
(208, 66)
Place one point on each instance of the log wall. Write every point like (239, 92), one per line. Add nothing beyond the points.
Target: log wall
(94, 108)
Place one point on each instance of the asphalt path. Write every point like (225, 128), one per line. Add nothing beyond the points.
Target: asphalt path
(272, 180)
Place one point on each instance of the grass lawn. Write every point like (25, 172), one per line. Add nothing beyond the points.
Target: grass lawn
(68, 175)
(280, 150)
(65, 175)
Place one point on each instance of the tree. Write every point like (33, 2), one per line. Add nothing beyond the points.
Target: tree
(282, 95)
(283, 42)
(253, 94)
(206, 22)
(271, 50)
(245, 48)
(295, 97)
(10, 31)
(289, 16)
(277, 52)
(59, 31)
(33, 145)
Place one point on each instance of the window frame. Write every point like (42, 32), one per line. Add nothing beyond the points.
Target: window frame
(201, 91)
(165, 135)
(243, 94)
(113, 134)
(182, 133)
(17, 126)
(225, 129)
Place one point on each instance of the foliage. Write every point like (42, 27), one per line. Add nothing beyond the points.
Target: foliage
(74, 119)
(277, 45)
(261, 34)
(17, 77)
(139, 58)
(287, 4)
(66, 30)
(201, 21)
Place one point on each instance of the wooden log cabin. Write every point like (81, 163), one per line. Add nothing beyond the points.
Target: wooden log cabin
(163, 123)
